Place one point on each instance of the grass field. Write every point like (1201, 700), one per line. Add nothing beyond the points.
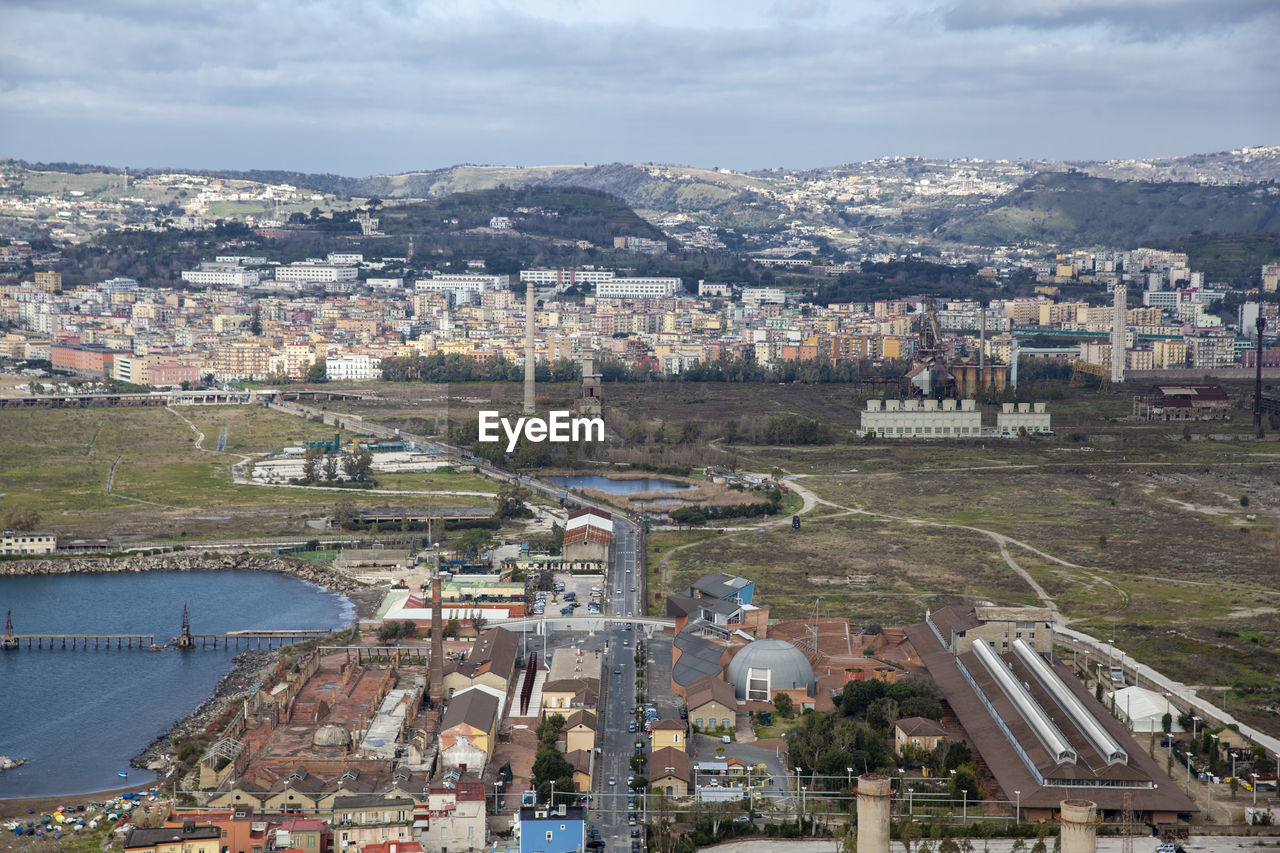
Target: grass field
(57, 462)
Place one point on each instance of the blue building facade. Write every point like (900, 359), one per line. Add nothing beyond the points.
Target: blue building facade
(562, 830)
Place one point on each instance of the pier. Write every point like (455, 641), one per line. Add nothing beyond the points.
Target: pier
(78, 641)
(186, 640)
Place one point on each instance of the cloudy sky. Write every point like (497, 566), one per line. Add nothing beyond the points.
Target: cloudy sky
(363, 87)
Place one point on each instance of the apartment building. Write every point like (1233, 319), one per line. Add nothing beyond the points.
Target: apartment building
(307, 272)
(638, 288)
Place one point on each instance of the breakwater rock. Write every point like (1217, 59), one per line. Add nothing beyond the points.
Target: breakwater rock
(185, 561)
(7, 763)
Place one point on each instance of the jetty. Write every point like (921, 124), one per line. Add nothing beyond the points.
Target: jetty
(252, 638)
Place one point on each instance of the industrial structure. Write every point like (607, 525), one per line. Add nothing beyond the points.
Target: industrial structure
(530, 322)
(1035, 724)
(937, 373)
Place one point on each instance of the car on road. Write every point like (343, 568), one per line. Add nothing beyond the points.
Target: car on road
(631, 819)
(635, 832)
(617, 670)
(618, 591)
(631, 726)
(629, 615)
(613, 780)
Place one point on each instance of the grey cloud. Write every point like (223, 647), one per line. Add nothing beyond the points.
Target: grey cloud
(1131, 17)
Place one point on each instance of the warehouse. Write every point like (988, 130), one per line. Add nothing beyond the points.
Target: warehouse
(1037, 727)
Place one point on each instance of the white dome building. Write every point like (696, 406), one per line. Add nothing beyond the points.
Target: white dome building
(764, 667)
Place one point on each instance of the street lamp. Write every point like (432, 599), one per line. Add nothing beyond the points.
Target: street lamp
(1018, 814)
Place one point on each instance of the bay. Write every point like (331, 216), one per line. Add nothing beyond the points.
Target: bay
(78, 717)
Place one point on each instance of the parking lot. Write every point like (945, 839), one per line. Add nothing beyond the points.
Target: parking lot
(575, 588)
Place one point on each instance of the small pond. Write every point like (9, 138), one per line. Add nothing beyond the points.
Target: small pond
(620, 487)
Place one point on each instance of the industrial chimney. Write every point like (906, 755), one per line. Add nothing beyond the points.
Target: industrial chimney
(530, 319)
(1079, 826)
(875, 795)
(437, 635)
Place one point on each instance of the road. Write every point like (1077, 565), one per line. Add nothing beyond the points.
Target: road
(623, 598)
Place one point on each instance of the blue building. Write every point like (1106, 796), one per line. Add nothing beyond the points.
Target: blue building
(558, 830)
(723, 587)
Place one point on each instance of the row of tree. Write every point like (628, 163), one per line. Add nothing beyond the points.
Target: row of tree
(318, 465)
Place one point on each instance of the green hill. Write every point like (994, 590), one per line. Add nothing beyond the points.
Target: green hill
(560, 213)
(1072, 209)
(1236, 259)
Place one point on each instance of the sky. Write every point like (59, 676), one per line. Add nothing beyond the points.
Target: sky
(362, 87)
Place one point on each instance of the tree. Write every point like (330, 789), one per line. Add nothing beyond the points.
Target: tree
(782, 703)
(965, 781)
(311, 464)
(255, 325)
(474, 540)
(358, 464)
(1166, 723)
(550, 768)
(318, 372)
(510, 502)
(908, 833)
(330, 467)
(882, 713)
(550, 727)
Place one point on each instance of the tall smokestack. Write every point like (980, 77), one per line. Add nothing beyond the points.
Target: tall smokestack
(875, 795)
(437, 635)
(529, 320)
(1118, 324)
(1261, 325)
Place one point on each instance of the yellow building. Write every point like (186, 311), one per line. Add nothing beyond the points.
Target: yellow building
(580, 731)
(668, 733)
(1168, 353)
(49, 281)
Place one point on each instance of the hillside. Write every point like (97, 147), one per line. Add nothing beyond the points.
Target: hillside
(1073, 209)
(1233, 258)
(541, 211)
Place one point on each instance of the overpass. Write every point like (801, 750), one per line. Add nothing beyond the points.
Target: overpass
(584, 624)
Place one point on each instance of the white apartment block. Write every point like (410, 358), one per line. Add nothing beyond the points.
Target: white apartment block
(921, 418)
(222, 274)
(764, 296)
(565, 278)
(355, 367)
(460, 283)
(638, 288)
(242, 260)
(26, 542)
(346, 258)
(711, 288)
(316, 271)
(1029, 416)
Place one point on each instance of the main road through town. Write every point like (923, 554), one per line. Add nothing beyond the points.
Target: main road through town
(624, 597)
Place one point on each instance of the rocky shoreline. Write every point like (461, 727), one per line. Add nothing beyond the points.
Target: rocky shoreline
(251, 668)
(185, 561)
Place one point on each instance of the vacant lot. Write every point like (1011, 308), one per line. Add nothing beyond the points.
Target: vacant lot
(59, 462)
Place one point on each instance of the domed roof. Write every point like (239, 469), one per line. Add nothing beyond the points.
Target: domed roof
(331, 735)
(787, 666)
